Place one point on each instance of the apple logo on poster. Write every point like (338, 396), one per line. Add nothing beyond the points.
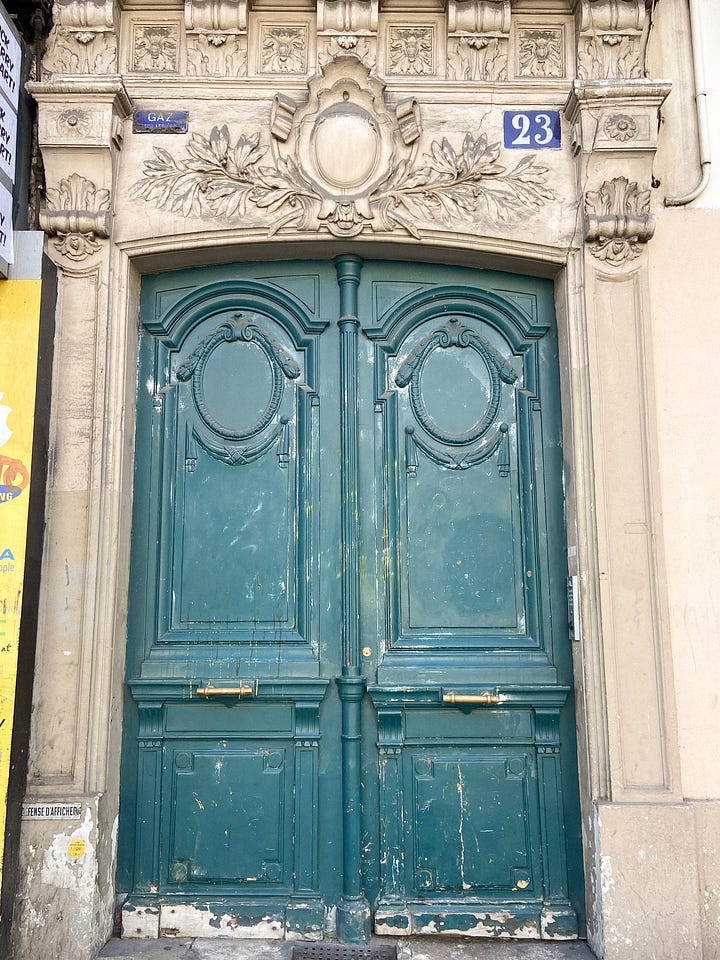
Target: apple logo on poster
(5, 431)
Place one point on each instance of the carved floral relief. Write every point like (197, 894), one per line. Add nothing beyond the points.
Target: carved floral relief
(217, 55)
(82, 40)
(612, 36)
(364, 48)
(346, 163)
(79, 52)
(478, 58)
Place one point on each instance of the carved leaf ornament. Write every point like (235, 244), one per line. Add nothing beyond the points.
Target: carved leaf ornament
(304, 187)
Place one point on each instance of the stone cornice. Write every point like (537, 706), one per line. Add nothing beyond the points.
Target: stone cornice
(595, 91)
(91, 89)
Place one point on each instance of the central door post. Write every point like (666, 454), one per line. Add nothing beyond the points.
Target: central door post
(353, 915)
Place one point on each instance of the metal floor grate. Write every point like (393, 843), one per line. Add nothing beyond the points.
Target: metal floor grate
(343, 951)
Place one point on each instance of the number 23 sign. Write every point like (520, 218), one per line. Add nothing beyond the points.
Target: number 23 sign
(532, 129)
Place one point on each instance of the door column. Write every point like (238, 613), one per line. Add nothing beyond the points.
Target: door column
(353, 915)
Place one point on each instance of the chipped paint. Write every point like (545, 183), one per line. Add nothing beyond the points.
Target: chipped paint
(189, 920)
(60, 869)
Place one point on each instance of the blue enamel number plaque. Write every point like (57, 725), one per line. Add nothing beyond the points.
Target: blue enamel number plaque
(532, 129)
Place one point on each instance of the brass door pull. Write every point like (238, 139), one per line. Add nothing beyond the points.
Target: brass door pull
(486, 698)
(244, 690)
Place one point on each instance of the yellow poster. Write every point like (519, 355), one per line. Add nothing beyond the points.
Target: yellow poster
(19, 326)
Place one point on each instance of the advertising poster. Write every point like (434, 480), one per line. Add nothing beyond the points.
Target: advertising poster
(19, 327)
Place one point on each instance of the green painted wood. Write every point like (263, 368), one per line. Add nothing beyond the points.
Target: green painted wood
(349, 478)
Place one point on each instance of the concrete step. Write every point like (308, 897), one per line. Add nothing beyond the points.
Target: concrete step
(410, 948)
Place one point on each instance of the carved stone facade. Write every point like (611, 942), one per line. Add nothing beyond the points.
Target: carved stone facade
(384, 129)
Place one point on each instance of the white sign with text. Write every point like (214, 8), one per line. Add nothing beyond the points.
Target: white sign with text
(10, 57)
(6, 227)
(8, 140)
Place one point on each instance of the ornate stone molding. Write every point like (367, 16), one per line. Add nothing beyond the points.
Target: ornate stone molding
(615, 127)
(82, 40)
(619, 116)
(77, 214)
(216, 37)
(347, 16)
(478, 39)
(612, 36)
(346, 26)
(344, 162)
(618, 220)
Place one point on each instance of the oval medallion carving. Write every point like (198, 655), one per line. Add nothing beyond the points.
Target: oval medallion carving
(346, 145)
(459, 411)
(237, 384)
(237, 375)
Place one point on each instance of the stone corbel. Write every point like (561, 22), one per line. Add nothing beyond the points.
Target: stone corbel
(77, 216)
(80, 122)
(615, 130)
(347, 26)
(82, 40)
(216, 37)
(478, 38)
(618, 220)
(611, 36)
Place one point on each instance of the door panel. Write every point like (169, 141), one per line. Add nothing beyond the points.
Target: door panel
(464, 818)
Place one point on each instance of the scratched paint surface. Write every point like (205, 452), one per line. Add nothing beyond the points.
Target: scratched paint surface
(231, 815)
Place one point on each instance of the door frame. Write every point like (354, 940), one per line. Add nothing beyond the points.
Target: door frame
(132, 263)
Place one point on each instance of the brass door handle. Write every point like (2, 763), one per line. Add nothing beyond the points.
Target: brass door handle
(244, 690)
(485, 698)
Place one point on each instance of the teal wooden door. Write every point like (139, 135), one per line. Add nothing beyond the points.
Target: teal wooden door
(349, 671)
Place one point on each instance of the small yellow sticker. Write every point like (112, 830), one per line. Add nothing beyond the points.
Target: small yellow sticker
(76, 848)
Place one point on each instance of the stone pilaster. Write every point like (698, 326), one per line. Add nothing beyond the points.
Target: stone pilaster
(71, 757)
(615, 126)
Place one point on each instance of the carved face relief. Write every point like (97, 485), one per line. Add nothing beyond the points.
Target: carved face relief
(284, 50)
(540, 53)
(155, 48)
(411, 51)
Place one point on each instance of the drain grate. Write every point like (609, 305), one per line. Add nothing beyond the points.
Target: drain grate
(343, 951)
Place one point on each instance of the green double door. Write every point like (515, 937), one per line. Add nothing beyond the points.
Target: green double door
(349, 671)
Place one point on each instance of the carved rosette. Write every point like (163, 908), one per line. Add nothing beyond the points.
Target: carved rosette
(82, 40)
(612, 36)
(618, 221)
(345, 162)
(77, 214)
